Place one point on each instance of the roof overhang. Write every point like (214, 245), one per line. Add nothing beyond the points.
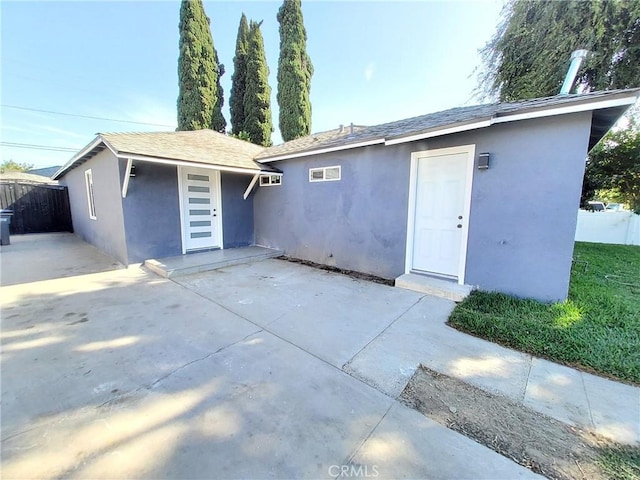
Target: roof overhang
(606, 111)
(99, 144)
(318, 151)
(189, 163)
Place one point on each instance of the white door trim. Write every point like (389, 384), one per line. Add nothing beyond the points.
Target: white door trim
(183, 232)
(411, 214)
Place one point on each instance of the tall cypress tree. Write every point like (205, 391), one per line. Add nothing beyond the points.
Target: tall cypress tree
(294, 73)
(239, 77)
(197, 68)
(257, 95)
(218, 122)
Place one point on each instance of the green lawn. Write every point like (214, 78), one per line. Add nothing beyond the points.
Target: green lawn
(596, 329)
(621, 462)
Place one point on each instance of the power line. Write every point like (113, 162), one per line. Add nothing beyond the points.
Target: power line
(85, 116)
(32, 146)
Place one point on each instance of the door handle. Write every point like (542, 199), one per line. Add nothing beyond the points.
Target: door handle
(459, 225)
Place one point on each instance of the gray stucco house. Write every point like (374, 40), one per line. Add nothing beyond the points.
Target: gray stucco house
(483, 195)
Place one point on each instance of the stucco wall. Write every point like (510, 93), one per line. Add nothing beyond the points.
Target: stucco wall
(357, 223)
(152, 212)
(107, 231)
(524, 207)
(237, 213)
(523, 210)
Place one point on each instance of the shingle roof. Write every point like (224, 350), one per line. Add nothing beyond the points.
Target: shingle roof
(213, 148)
(198, 147)
(25, 177)
(424, 123)
(202, 146)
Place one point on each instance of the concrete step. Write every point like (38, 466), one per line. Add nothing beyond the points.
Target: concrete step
(434, 286)
(207, 261)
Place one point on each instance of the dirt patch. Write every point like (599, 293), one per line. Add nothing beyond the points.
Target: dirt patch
(536, 441)
(350, 273)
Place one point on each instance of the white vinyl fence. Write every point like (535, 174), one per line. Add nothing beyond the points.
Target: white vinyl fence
(622, 228)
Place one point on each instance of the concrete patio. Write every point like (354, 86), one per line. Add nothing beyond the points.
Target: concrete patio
(261, 370)
(206, 261)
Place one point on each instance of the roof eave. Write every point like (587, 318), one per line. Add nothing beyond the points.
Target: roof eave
(318, 151)
(190, 163)
(76, 159)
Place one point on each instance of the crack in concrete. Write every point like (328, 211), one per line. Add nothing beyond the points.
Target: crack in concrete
(382, 331)
(151, 385)
(526, 382)
(586, 395)
(349, 459)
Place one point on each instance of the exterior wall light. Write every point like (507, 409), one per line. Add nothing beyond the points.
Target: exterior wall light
(483, 161)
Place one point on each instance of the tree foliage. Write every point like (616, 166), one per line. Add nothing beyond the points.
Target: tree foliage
(528, 56)
(257, 95)
(197, 68)
(294, 73)
(218, 122)
(239, 77)
(12, 166)
(614, 165)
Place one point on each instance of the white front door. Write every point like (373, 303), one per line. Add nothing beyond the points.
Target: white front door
(442, 197)
(199, 191)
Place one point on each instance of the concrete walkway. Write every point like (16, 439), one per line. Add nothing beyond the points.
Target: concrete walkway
(263, 370)
(380, 335)
(595, 404)
(124, 374)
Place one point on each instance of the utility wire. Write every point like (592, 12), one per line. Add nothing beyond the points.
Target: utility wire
(39, 147)
(84, 116)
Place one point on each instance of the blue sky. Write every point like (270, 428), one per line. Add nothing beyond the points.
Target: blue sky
(374, 62)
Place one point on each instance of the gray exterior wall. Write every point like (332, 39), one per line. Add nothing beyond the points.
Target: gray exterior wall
(152, 212)
(237, 213)
(523, 208)
(146, 224)
(358, 223)
(107, 231)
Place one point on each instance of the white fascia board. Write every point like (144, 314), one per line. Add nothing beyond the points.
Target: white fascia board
(595, 105)
(439, 132)
(308, 153)
(184, 163)
(97, 141)
(108, 145)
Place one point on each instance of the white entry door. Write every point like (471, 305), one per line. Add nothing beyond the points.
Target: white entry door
(442, 196)
(199, 189)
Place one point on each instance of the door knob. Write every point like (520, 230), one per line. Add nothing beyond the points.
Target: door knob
(459, 217)
(459, 225)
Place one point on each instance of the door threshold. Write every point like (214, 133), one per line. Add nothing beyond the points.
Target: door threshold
(201, 250)
(439, 276)
(438, 287)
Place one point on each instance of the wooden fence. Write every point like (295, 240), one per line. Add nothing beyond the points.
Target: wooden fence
(37, 208)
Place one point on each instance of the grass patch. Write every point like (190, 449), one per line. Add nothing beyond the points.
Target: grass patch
(597, 328)
(622, 463)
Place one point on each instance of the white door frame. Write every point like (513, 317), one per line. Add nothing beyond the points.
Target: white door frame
(183, 229)
(470, 150)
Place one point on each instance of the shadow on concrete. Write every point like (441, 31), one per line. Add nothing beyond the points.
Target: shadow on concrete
(45, 256)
